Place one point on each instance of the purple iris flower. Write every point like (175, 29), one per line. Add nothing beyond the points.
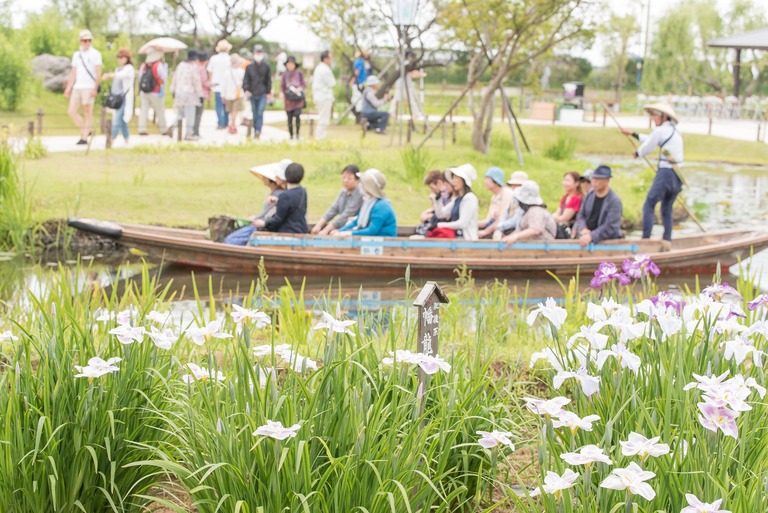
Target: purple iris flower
(717, 290)
(640, 266)
(666, 300)
(761, 300)
(607, 272)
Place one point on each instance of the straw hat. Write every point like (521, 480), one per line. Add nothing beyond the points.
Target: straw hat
(518, 178)
(465, 171)
(528, 193)
(373, 181)
(223, 46)
(272, 171)
(86, 34)
(664, 108)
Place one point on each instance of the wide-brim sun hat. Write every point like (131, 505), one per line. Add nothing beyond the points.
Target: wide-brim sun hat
(466, 172)
(529, 194)
(373, 80)
(518, 178)
(86, 34)
(664, 108)
(154, 56)
(281, 167)
(373, 182)
(495, 174)
(273, 170)
(223, 46)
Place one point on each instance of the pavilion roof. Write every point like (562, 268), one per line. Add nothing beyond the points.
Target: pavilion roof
(752, 40)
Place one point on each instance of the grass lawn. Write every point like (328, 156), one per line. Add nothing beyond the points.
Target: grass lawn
(185, 184)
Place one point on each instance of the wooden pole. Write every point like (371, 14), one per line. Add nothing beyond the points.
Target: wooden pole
(179, 127)
(675, 167)
(40, 121)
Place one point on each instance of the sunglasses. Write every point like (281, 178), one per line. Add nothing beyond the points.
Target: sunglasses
(85, 40)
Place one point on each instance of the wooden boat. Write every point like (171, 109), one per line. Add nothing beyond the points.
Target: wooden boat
(307, 255)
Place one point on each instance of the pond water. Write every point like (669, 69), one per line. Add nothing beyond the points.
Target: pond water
(723, 196)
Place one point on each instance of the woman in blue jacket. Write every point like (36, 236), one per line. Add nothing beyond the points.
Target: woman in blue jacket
(376, 217)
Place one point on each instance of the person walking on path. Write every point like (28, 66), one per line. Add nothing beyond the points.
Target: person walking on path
(232, 91)
(202, 64)
(218, 68)
(187, 89)
(258, 87)
(122, 84)
(323, 83)
(666, 184)
(83, 84)
(292, 87)
(153, 75)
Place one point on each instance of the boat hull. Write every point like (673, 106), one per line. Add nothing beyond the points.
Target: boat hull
(389, 257)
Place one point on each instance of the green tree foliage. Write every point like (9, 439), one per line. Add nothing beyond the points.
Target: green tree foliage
(15, 65)
(48, 32)
(504, 36)
(618, 34)
(679, 59)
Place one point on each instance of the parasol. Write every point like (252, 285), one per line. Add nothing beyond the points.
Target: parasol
(162, 44)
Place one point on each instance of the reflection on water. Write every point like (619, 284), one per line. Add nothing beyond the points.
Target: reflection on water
(728, 199)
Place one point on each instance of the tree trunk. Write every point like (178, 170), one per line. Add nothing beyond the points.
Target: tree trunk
(483, 122)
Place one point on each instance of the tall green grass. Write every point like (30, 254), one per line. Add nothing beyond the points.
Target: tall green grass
(16, 212)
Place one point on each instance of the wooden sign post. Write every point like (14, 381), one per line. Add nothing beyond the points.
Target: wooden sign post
(428, 301)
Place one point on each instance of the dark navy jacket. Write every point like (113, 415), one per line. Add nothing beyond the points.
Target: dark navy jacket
(291, 213)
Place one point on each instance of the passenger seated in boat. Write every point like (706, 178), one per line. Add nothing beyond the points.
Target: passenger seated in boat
(586, 181)
(463, 222)
(291, 213)
(599, 218)
(441, 196)
(346, 205)
(537, 223)
(273, 176)
(376, 217)
(500, 201)
(565, 215)
(511, 217)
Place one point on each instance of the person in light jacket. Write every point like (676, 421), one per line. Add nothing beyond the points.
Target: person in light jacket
(122, 83)
(323, 83)
(465, 206)
(187, 90)
(376, 217)
(599, 217)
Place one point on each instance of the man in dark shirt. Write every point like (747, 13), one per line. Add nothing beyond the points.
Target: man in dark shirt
(599, 217)
(291, 213)
(257, 85)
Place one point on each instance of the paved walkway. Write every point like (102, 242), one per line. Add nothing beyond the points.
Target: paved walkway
(208, 135)
(732, 129)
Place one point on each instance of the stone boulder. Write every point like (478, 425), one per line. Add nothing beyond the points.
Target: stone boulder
(52, 69)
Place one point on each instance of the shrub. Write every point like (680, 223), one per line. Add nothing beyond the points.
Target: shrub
(563, 148)
(47, 32)
(13, 79)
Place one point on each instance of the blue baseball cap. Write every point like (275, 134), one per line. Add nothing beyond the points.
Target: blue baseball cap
(496, 174)
(601, 172)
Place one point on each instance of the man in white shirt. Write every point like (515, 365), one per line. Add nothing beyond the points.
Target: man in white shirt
(83, 84)
(218, 68)
(323, 83)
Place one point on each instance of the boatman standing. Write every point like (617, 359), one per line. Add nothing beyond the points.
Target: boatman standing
(667, 184)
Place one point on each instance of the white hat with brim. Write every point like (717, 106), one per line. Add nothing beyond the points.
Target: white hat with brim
(373, 80)
(466, 172)
(664, 108)
(518, 178)
(154, 55)
(529, 193)
(272, 171)
(223, 46)
(373, 182)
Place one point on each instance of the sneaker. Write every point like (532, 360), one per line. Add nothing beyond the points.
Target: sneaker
(143, 133)
(168, 132)
(82, 141)
(220, 127)
(257, 135)
(666, 246)
(380, 131)
(191, 138)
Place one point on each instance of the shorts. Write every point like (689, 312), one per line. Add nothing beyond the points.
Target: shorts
(81, 97)
(235, 105)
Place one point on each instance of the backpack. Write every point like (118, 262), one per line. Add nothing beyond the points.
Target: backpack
(147, 82)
